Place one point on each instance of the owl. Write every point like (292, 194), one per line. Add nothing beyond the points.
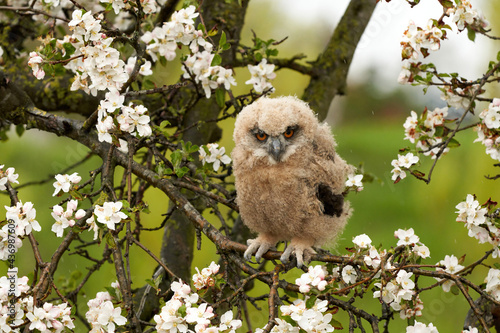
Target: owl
(289, 179)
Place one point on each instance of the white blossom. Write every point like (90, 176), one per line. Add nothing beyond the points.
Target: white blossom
(373, 258)
(309, 319)
(65, 182)
(199, 66)
(227, 323)
(109, 316)
(398, 290)
(418, 327)
(216, 155)
(354, 181)
(34, 62)
(200, 315)
(102, 314)
(487, 130)
(403, 162)
(134, 120)
(64, 219)
(314, 277)
(109, 214)
(349, 274)
(7, 176)
(406, 237)
(362, 241)
(422, 251)
(493, 283)
(205, 278)
(118, 5)
(464, 15)
(261, 75)
(23, 216)
(50, 318)
(451, 266)
(479, 225)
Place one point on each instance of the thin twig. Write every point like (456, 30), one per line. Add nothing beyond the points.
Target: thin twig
(467, 110)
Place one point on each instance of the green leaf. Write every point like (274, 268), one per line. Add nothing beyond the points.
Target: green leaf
(160, 168)
(471, 34)
(439, 131)
(125, 204)
(146, 210)
(176, 157)
(446, 3)
(20, 129)
(190, 148)
(181, 171)
(336, 324)
(213, 32)
(217, 60)
(453, 143)
(154, 283)
(112, 292)
(220, 96)
(454, 290)
(310, 302)
(59, 69)
(164, 124)
(110, 241)
(292, 294)
(258, 57)
(109, 7)
(289, 320)
(163, 61)
(272, 52)
(76, 195)
(222, 40)
(70, 49)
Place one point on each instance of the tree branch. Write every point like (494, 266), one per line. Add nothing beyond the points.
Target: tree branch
(332, 66)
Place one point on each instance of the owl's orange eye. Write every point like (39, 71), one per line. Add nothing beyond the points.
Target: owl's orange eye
(261, 136)
(289, 133)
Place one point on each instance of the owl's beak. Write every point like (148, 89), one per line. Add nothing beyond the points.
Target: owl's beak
(276, 148)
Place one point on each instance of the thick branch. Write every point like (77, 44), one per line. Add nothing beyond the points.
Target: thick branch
(50, 94)
(333, 64)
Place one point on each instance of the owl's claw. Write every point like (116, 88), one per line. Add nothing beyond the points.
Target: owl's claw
(257, 246)
(303, 253)
(286, 254)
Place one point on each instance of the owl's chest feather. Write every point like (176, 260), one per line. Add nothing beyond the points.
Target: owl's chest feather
(275, 195)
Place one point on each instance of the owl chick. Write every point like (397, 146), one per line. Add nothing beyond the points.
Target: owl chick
(289, 180)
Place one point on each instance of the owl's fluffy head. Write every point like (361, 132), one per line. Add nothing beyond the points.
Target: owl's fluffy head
(274, 128)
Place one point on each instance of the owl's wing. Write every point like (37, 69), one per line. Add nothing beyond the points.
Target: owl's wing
(332, 171)
(333, 204)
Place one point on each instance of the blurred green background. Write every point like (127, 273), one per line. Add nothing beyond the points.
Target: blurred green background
(367, 124)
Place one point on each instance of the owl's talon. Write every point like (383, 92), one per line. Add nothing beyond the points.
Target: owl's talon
(252, 247)
(257, 246)
(302, 253)
(285, 257)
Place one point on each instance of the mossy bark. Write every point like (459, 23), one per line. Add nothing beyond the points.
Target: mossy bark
(332, 66)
